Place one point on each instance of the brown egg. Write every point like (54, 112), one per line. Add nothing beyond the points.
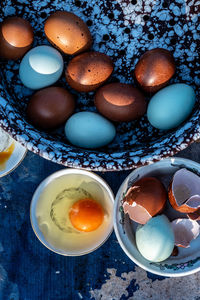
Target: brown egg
(87, 71)
(145, 199)
(16, 38)
(67, 32)
(154, 69)
(50, 107)
(120, 102)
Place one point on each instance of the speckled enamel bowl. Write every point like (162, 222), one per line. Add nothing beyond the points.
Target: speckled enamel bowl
(188, 259)
(123, 29)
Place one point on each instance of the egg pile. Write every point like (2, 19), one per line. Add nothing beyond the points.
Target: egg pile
(87, 71)
(145, 201)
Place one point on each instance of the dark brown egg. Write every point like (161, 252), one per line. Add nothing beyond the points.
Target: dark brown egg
(120, 102)
(87, 71)
(154, 69)
(67, 32)
(50, 107)
(16, 38)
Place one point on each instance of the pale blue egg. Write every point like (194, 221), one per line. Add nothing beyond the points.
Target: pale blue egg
(89, 130)
(41, 67)
(169, 107)
(155, 239)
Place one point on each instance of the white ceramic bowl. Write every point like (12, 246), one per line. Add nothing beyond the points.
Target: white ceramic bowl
(14, 160)
(188, 260)
(95, 182)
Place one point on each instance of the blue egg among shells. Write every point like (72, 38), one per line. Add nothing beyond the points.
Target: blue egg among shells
(155, 239)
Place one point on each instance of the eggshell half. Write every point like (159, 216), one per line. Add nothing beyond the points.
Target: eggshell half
(185, 230)
(145, 199)
(184, 191)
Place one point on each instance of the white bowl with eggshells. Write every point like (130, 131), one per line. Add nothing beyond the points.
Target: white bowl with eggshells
(11, 153)
(187, 260)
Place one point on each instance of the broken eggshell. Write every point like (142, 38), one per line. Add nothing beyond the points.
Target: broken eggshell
(195, 215)
(184, 191)
(145, 199)
(185, 230)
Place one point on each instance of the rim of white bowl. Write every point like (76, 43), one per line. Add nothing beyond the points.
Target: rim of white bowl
(16, 165)
(115, 213)
(40, 188)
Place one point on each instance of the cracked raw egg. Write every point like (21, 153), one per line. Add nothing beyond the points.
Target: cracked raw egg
(86, 215)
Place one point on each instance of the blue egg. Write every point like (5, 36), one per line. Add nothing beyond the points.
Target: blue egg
(169, 107)
(155, 239)
(41, 67)
(89, 130)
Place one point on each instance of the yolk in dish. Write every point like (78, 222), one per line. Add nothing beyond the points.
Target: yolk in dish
(5, 155)
(86, 215)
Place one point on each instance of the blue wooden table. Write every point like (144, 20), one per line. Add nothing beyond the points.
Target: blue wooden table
(29, 271)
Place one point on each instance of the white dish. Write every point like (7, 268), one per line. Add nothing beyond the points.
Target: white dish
(188, 260)
(15, 159)
(92, 180)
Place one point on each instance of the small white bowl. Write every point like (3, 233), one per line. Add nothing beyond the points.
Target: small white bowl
(15, 159)
(188, 260)
(103, 189)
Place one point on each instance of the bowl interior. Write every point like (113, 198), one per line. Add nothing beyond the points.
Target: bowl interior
(124, 30)
(188, 259)
(49, 211)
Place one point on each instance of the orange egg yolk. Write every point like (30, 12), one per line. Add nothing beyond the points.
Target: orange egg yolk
(86, 215)
(5, 155)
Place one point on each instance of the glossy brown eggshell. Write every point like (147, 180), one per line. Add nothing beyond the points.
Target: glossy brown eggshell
(16, 38)
(50, 107)
(145, 199)
(88, 71)
(154, 69)
(120, 102)
(68, 33)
